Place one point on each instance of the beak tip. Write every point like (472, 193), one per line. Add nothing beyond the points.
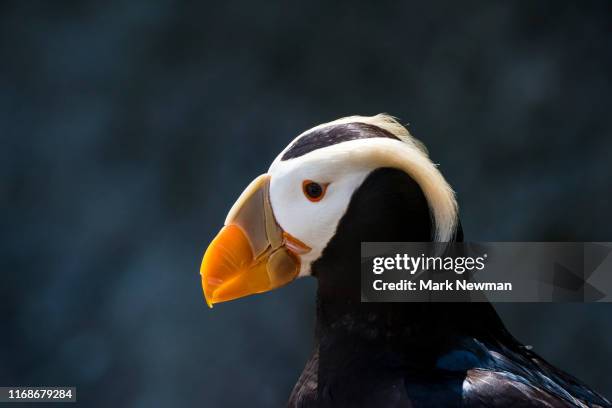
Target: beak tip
(208, 294)
(209, 300)
(208, 297)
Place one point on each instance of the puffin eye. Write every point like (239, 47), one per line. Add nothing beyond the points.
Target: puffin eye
(313, 190)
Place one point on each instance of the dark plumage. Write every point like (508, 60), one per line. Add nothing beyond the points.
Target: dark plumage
(414, 354)
(334, 134)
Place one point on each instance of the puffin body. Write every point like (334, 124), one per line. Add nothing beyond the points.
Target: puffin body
(362, 179)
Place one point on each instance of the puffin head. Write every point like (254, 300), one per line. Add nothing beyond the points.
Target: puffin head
(356, 178)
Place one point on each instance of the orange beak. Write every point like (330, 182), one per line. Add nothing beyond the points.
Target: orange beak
(251, 254)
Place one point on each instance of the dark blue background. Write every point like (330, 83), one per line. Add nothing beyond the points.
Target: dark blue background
(129, 128)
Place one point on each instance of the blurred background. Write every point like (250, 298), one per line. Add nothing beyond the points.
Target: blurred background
(129, 128)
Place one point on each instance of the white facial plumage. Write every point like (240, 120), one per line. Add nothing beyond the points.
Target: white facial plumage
(344, 166)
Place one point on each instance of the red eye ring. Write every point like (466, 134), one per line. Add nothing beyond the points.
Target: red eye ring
(314, 191)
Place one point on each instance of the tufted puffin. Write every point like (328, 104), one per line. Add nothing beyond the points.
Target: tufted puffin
(367, 179)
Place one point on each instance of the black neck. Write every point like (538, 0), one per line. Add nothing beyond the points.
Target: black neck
(389, 206)
(419, 331)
